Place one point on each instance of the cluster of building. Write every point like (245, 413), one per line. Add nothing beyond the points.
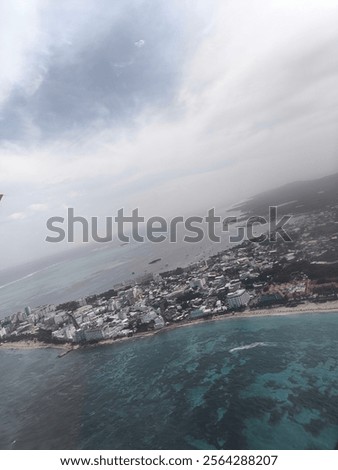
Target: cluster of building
(246, 276)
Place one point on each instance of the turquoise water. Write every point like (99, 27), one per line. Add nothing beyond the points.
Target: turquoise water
(250, 383)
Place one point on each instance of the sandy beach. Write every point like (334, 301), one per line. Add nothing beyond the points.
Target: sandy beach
(35, 345)
(305, 308)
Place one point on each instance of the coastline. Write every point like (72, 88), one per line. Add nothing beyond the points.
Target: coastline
(36, 345)
(305, 308)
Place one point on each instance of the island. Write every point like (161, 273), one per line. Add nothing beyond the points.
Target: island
(250, 278)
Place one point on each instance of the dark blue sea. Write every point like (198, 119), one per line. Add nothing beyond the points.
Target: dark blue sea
(249, 383)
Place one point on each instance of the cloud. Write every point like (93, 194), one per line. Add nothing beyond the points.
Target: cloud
(140, 43)
(38, 207)
(19, 38)
(224, 99)
(17, 216)
(95, 78)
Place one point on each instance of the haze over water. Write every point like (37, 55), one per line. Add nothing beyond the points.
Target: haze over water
(94, 269)
(250, 383)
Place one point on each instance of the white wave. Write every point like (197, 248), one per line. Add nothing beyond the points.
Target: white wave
(28, 276)
(251, 346)
(18, 280)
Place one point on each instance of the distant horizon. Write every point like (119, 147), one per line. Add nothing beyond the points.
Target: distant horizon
(80, 248)
(169, 107)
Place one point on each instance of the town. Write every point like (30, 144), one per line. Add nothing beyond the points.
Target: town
(248, 277)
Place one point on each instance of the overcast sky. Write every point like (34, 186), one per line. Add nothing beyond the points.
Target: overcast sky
(170, 106)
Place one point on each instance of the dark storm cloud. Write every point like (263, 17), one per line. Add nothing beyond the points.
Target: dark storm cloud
(134, 63)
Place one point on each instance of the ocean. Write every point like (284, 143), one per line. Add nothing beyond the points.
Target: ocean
(240, 383)
(93, 269)
(96, 267)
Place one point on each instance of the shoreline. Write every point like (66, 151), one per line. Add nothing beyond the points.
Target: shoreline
(36, 345)
(306, 308)
(303, 309)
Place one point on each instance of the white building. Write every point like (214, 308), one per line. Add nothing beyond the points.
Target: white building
(3, 332)
(148, 317)
(159, 323)
(137, 293)
(21, 316)
(59, 335)
(45, 309)
(122, 315)
(78, 336)
(199, 283)
(238, 299)
(112, 331)
(69, 332)
(114, 305)
(93, 334)
(59, 318)
(234, 285)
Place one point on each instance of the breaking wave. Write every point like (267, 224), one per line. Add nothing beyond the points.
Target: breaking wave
(251, 346)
